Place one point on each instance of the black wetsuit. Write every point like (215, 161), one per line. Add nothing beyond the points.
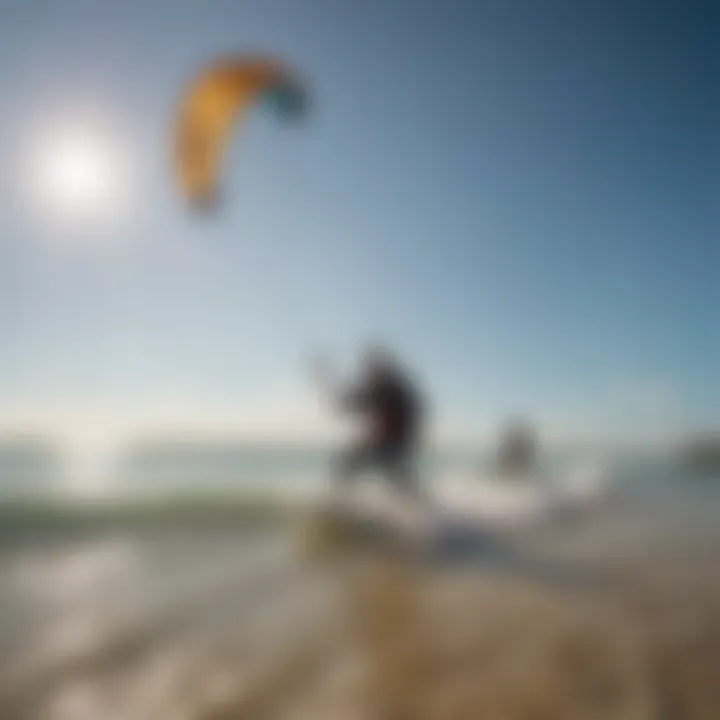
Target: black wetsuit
(394, 411)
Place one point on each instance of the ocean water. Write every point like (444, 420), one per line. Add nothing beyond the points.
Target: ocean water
(636, 477)
(179, 465)
(641, 495)
(174, 466)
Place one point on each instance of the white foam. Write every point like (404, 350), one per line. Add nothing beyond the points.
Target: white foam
(489, 500)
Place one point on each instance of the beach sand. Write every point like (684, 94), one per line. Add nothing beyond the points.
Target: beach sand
(260, 634)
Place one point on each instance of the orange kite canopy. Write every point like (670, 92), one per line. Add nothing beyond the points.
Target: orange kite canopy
(215, 104)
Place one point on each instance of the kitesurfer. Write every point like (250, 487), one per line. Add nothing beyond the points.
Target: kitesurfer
(391, 408)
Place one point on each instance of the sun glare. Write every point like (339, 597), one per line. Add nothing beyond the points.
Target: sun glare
(79, 175)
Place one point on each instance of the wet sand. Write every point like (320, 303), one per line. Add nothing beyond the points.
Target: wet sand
(586, 620)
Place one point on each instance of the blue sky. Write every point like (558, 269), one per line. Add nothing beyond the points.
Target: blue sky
(521, 196)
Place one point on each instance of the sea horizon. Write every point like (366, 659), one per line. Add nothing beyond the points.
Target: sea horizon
(37, 464)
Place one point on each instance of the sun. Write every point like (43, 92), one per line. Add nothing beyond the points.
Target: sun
(79, 174)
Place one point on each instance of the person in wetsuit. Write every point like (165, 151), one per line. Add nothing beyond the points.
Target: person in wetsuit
(392, 409)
